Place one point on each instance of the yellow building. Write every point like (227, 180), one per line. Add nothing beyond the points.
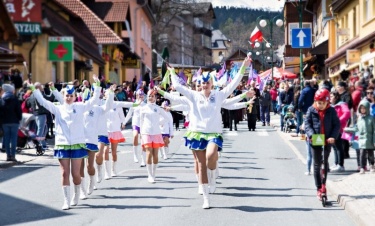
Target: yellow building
(351, 46)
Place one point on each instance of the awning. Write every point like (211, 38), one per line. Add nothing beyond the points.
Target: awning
(321, 49)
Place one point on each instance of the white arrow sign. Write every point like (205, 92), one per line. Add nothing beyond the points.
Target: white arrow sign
(301, 35)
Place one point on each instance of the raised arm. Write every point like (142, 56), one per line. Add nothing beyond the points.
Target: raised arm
(178, 99)
(180, 88)
(233, 100)
(45, 103)
(237, 79)
(236, 106)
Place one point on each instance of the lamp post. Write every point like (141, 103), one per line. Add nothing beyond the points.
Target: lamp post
(263, 22)
(263, 50)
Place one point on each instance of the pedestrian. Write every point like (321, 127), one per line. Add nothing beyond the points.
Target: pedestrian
(306, 99)
(252, 111)
(10, 117)
(265, 103)
(365, 126)
(343, 113)
(345, 96)
(357, 95)
(70, 145)
(298, 113)
(273, 93)
(321, 120)
(151, 135)
(204, 136)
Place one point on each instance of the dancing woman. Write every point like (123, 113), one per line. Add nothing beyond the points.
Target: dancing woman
(70, 145)
(204, 136)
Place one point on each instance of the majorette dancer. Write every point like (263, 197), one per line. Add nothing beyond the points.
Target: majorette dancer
(166, 128)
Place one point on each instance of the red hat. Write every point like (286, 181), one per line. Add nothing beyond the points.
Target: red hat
(322, 95)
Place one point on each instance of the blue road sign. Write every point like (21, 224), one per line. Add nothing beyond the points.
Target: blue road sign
(301, 38)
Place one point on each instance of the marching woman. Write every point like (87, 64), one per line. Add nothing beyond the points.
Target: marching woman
(136, 126)
(166, 128)
(204, 136)
(151, 136)
(91, 119)
(70, 145)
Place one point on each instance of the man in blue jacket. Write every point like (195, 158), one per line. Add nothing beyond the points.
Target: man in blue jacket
(306, 98)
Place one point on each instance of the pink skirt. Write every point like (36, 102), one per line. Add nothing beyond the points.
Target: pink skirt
(152, 141)
(116, 137)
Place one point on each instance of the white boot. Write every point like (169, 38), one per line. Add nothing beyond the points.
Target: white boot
(206, 198)
(75, 198)
(107, 167)
(135, 153)
(161, 152)
(100, 173)
(164, 150)
(114, 169)
(200, 188)
(211, 180)
(143, 157)
(66, 193)
(149, 172)
(154, 166)
(217, 169)
(91, 186)
(82, 195)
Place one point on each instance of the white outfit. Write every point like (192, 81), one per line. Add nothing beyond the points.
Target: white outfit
(167, 125)
(148, 118)
(69, 123)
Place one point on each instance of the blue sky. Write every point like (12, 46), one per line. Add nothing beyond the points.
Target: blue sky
(273, 5)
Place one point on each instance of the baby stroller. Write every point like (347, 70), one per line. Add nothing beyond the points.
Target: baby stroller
(26, 135)
(289, 119)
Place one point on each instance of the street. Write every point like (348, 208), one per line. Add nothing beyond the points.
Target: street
(261, 182)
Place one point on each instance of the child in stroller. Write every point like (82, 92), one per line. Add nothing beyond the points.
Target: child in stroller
(289, 120)
(26, 134)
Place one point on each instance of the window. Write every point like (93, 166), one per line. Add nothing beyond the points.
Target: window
(142, 29)
(296, 25)
(367, 10)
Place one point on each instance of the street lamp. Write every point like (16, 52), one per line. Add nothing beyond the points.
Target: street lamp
(262, 50)
(263, 23)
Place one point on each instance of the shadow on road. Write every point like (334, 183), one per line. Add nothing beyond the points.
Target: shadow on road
(16, 211)
(265, 209)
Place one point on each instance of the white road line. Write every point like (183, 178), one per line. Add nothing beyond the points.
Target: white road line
(294, 149)
(263, 134)
(231, 134)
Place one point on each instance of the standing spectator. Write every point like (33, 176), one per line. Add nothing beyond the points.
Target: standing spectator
(297, 112)
(345, 96)
(17, 79)
(356, 97)
(120, 94)
(273, 93)
(265, 103)
(129, 93)
(257, 95)
(40, 113)
(11, 115)
(251, 111)
(306, 98)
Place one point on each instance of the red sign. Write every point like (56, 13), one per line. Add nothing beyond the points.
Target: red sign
(24, 10)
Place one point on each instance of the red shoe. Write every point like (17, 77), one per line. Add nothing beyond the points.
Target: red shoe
(319, 194)
(323, 189)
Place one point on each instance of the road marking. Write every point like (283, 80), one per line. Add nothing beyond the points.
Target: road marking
(231, 134)
(263, 134)
(294, 149)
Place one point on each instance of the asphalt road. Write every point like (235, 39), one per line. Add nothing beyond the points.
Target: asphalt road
(261, 183)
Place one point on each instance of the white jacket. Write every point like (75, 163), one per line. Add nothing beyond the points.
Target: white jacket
(205, 113)
(134, 111)
(166, 126)
(150, 118)
(94, 119)
(68, 118)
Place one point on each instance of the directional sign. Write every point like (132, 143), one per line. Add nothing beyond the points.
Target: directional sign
(301, 38)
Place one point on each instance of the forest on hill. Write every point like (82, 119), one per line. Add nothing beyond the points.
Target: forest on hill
(238, 23)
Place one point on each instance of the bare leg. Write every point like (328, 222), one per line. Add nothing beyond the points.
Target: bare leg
(65, 170)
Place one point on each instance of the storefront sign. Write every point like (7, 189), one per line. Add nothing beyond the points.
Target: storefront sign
(353, 56)
(131, 62)
(60, 48)
(24, 10)
(25, 28)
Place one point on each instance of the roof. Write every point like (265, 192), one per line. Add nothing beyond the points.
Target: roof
(218, 35)
(202, 8)
(111, 11)
(218, 44)
(102, 33)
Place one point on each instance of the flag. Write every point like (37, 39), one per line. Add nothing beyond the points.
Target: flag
(139, 84)
(197, 74)
(223, 80)
(221, 72)
(166, 80)
(182, 78)
(233, 72)
(263, 81)
(256, 35)
(250, 78)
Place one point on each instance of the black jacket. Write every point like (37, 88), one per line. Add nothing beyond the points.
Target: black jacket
(347, 98)
(10, 110)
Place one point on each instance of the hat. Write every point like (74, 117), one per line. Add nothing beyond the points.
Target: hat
(7, 88)
(70, 89)
(342, 84)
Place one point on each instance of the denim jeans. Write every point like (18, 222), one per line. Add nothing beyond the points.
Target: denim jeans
(299, 116)
(265, 114)
(274, 106)
(10, 138)
(41, 124)
(308, 156)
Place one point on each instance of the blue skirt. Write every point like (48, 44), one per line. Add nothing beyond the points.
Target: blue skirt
(92, 147)
(198, 141)
(70, 154)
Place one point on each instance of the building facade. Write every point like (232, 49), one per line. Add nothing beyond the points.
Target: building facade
(219, 47)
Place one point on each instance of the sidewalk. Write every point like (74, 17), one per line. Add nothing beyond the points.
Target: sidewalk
(353, 191)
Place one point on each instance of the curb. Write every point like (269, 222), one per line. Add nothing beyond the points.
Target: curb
(356, 209)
